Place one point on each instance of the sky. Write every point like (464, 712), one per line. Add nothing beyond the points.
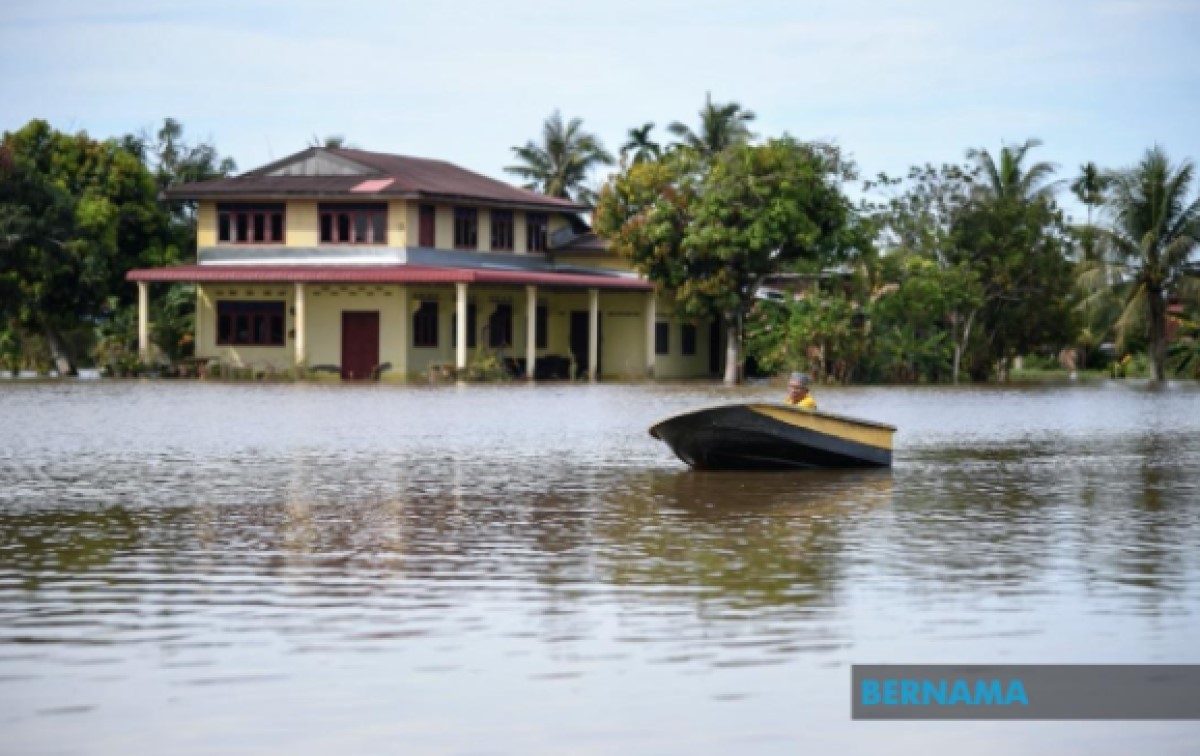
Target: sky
(893, 83)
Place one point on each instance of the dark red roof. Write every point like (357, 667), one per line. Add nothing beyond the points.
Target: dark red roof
(391, 176)
(392, 274)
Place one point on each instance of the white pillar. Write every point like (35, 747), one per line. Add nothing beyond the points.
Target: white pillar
(301, 328)
(460, 328)
(530, 330)
(144, 321)
(593, 332)
(651, 328)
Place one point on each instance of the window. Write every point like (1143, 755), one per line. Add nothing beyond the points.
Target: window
(470, 328)
(466, 228)
(500, 327)
(353, 224)
(250, 323)
(535, 232)
(250, 224)
(662, 338)
(427, 234)
(502, 229)
(542, 321)
(425, 325)
(688, 339)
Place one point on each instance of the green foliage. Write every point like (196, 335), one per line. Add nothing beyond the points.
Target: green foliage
(639, 147)
(711, 231)
(1145, 254)
(560, 164)
(722, 126)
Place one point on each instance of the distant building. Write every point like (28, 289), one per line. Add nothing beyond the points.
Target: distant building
(360, 265)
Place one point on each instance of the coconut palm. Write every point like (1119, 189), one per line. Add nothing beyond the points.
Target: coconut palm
(1089, 187)
(560, 164)
(639, 144)
(721, 127)
(1011, 178)
(1154, 235)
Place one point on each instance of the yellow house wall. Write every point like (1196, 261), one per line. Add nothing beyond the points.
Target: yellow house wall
(258, 358)
(398, 224)
(608, 262)
(623, 328)
(303, 224)
(206, 224)
(325, 304)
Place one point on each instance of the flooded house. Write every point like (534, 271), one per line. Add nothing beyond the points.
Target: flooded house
(362, 265)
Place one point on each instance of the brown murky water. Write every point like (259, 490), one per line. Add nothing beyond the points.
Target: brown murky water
(201, 568)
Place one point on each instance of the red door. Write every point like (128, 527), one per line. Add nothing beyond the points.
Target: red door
(360, 345)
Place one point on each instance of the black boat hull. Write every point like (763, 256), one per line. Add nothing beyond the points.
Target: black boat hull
(769, 437)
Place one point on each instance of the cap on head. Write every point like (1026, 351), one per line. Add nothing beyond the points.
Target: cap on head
(799, 378)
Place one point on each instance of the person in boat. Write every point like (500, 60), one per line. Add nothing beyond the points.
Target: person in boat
(798, 393)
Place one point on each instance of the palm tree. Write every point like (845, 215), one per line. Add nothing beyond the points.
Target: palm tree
(640, 145)
(1010, 179)
(1089, 187)
(1155, 232)
(560, 164)
(721, 127)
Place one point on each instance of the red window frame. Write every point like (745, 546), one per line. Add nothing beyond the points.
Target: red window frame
(536, 226)
(341, 224)
(502, 230)
(427, 226)
(251, 323)
(466, 228)
(250, 224)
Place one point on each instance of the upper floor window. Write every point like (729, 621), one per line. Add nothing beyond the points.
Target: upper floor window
(353, 224)
(535, 231)
(427, 231)
(250, 224)
(466, 228)
(502, 229)
(246, 323)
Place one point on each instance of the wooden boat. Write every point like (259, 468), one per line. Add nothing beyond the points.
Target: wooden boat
(774, 437)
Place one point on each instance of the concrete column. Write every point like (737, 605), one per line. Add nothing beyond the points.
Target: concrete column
(593, 332)
(301, 327)
(651, 322)
(530, 330)
(460, 328)
(144, 321)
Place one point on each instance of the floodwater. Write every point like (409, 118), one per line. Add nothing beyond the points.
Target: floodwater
(299, 569)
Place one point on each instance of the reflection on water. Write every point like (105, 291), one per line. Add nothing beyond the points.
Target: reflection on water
(523, 569)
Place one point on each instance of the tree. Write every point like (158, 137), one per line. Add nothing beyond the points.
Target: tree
(640, 145)
(1089, 186)
(559, 165)
(1154, 234)
(1011, 179)
(75, 215)
(711, 231)
(721, 126)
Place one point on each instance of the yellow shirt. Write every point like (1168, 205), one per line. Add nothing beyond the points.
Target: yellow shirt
(807, 403)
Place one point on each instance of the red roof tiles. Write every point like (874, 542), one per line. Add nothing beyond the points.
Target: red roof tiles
(391, 274)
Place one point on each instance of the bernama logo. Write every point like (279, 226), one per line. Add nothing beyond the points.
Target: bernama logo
(942, 692)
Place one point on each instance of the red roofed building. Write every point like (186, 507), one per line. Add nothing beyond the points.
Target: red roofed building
(359, 264)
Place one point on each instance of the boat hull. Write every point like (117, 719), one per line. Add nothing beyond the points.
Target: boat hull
(774, 437)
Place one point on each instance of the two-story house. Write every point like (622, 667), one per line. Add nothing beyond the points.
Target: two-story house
(359, 264)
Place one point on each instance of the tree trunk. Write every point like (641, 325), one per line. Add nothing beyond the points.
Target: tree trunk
(58, 352)
(961, 345)
(1158, 334)
(733, 351)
